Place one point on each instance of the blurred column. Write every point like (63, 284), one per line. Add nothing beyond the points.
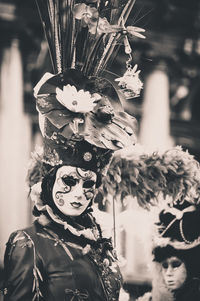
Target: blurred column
(135, 242)
(155, 124)
(15, 140)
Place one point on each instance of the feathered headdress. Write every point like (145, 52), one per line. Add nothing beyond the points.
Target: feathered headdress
(173, 174)
(168, 183)
(81, 115)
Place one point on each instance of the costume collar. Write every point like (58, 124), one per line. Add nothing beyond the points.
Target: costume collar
(78, 230)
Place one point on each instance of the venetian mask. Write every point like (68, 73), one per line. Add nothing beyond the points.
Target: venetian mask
(73, 189)
(174, 273)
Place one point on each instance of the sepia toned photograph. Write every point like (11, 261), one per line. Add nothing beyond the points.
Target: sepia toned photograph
(99, 150)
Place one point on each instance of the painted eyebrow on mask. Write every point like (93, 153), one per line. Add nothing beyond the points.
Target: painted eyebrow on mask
(69, 180)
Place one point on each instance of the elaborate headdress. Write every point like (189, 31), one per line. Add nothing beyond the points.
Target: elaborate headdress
(167, 183)
(80, 108)
(177, 225)
(178, 219)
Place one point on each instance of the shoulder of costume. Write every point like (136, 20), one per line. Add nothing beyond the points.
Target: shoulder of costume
(21, 234)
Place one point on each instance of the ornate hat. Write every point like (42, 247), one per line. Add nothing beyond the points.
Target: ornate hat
(178, 214)
(81, 116)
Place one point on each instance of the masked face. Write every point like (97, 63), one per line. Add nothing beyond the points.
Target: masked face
(73, 189)
(174, 273)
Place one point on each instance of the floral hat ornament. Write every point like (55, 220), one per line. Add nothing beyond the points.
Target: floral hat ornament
(81, 116)
(130, 83)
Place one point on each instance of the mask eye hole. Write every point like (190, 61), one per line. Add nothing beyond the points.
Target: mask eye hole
(176, 263)
(88, 184)
(69, 181)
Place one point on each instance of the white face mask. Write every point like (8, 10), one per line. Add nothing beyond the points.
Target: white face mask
(73, 189)
(174, 273)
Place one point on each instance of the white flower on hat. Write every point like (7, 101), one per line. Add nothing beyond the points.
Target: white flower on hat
(77, 101)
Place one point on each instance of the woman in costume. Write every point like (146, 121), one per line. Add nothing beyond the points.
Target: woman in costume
(176, 240)
(176, 265)
(64, 254)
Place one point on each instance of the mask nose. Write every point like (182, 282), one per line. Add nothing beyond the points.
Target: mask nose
(169, 270)
(78, 190)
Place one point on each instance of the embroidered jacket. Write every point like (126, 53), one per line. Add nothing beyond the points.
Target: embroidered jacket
(43, 264)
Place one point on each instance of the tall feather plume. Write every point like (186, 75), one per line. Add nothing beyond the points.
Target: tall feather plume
(57, 20)
(73, 44)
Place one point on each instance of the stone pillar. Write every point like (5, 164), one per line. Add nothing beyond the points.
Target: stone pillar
(155, 123)
(15, 140)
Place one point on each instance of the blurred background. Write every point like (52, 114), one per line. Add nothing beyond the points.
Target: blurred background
(168, 109)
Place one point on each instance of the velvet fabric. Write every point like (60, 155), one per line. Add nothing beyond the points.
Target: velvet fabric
(45, 263)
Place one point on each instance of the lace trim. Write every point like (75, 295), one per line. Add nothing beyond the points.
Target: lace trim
(89, 233)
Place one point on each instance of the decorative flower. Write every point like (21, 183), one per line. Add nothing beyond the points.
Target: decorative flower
(77, 101)
(87, 14)
(130, 82)
(103, 26)
(126, 31)
(129, 30)
(134, 31)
